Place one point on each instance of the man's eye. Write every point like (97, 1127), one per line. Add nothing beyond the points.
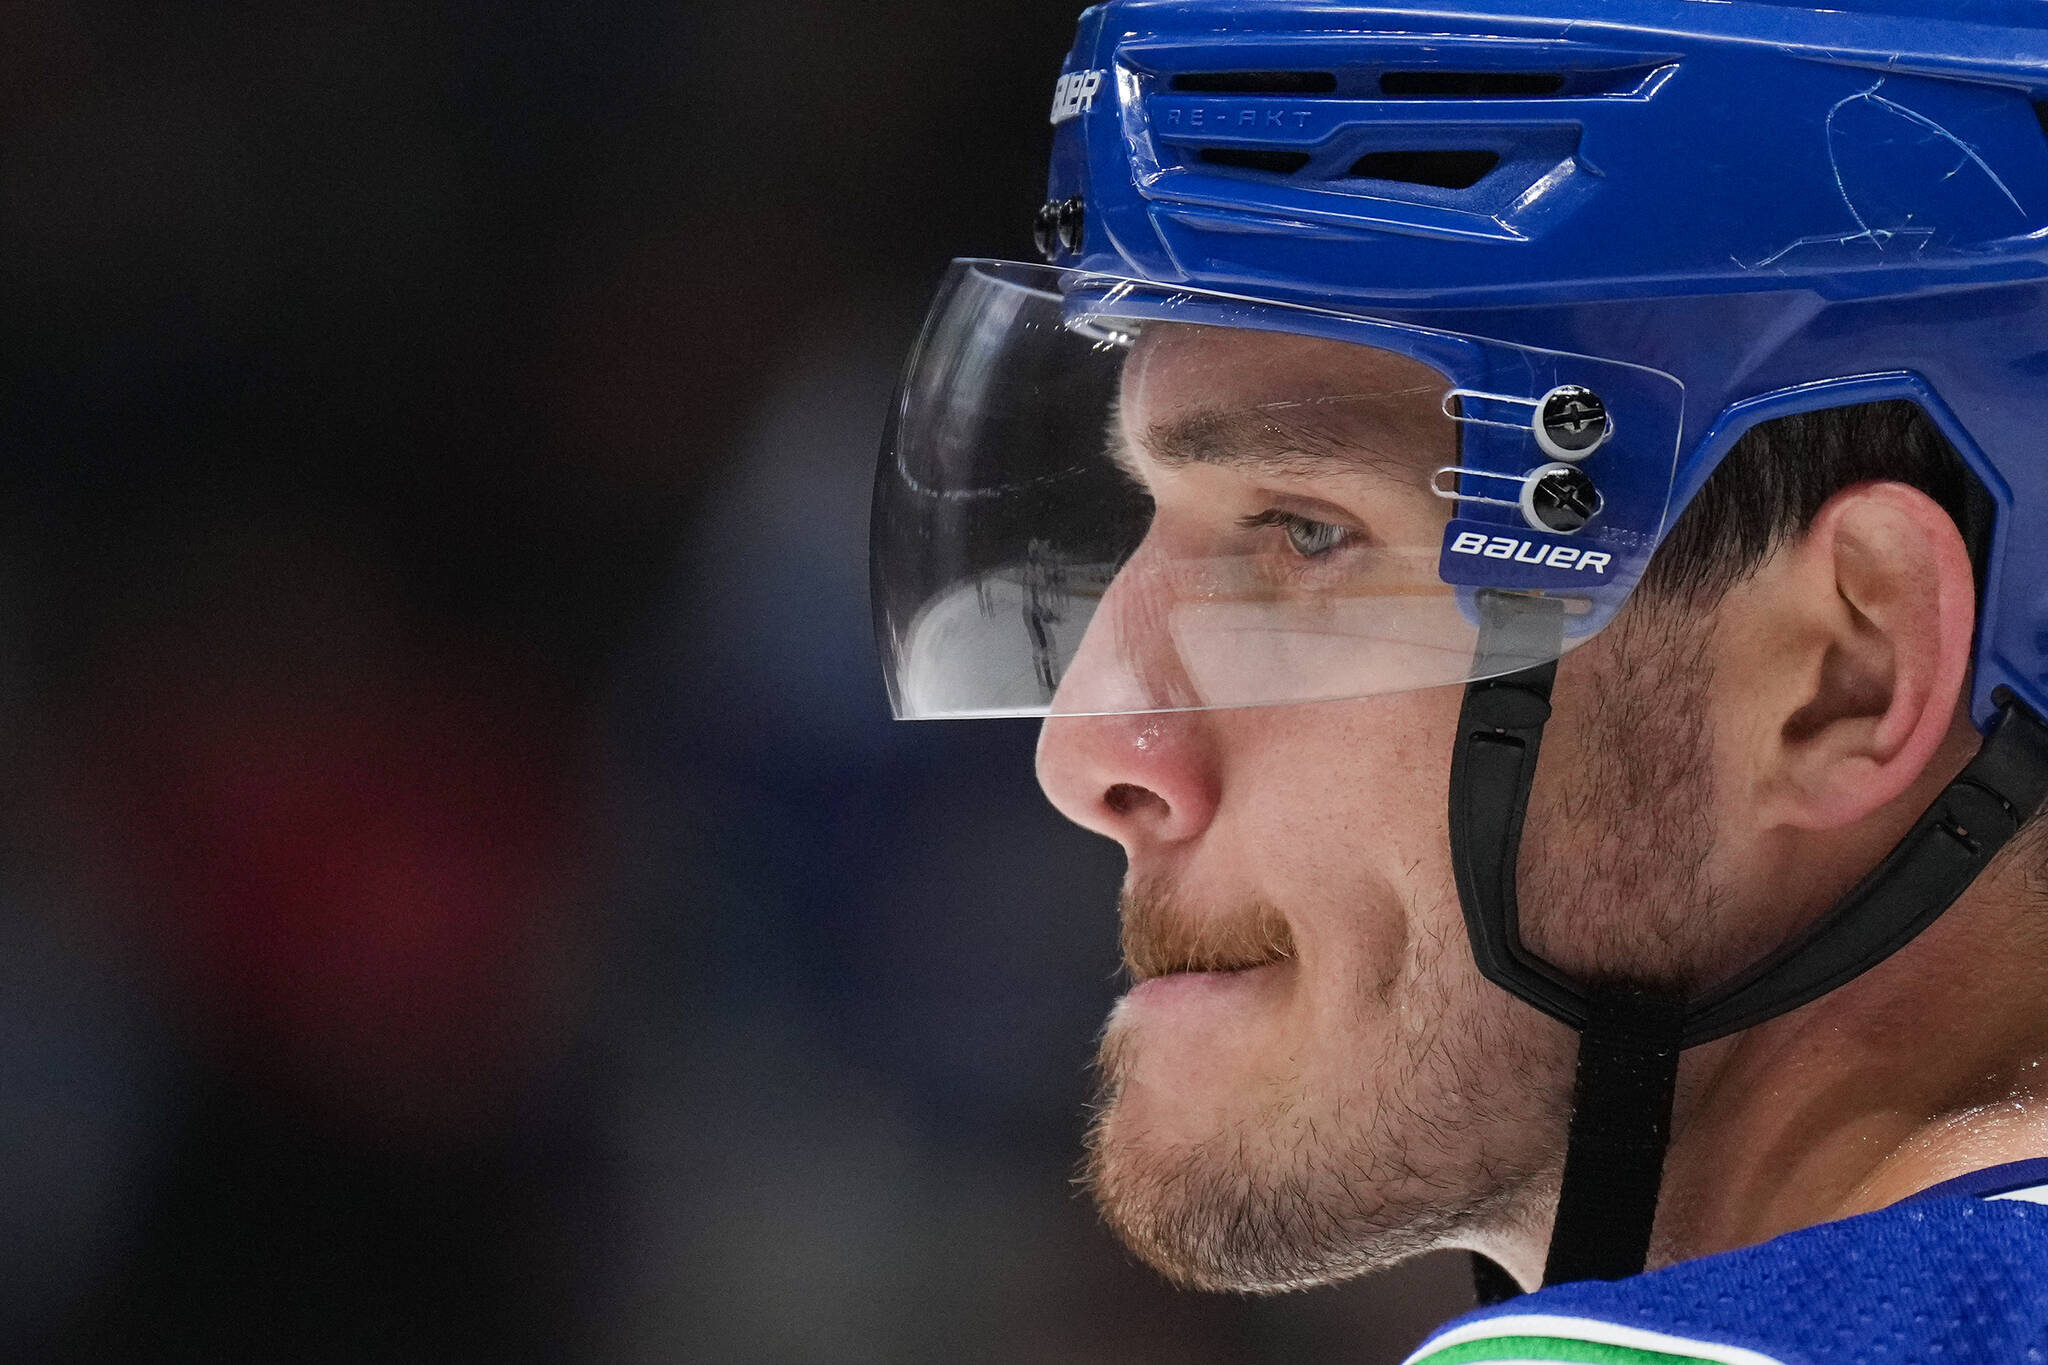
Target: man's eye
(1309, 539)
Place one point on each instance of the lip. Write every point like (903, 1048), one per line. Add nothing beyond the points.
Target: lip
(1194, 988)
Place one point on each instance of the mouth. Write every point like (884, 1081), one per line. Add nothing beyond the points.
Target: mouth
(1141, 971)
(1204, 989)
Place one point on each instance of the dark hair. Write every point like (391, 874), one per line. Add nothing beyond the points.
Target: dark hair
(1773, 483)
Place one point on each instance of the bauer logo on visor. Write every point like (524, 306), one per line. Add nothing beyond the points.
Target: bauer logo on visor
(1477, 554)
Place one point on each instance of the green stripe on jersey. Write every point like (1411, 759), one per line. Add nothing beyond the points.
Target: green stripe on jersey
(1539, 1337)
(1552, 1348)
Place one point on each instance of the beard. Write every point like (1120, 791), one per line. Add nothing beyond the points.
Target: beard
(1452, 1122)
(1325, 1183)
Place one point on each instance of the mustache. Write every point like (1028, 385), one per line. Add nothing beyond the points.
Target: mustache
(1162, 935)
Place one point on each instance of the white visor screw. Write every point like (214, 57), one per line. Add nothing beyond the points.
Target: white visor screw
(1560, 498)
(1571, 422)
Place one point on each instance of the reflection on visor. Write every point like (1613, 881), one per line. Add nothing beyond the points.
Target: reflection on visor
(1104, 496)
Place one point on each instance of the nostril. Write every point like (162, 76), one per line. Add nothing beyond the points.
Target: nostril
(1126, 798)
(1146, 781)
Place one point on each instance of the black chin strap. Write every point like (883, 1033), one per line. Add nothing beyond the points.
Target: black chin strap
(1621, 1125)
(1630, 1037)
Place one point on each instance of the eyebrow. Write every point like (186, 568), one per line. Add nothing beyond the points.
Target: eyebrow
(1281, 439)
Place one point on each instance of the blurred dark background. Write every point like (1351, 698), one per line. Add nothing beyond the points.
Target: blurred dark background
(461, 894)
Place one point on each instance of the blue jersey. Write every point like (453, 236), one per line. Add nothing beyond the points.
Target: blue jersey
(1957, 1274)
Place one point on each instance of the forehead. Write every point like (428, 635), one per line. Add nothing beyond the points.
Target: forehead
(1174, 364)
(1218, 395)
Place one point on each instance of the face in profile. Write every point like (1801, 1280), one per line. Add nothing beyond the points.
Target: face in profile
(1309, 1078)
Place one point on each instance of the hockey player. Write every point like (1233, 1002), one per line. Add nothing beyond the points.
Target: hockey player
(1657, 385)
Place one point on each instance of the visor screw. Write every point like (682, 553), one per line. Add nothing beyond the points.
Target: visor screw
(1073, 217)
(1045, 228)
(1571, 422)
(1559, 498)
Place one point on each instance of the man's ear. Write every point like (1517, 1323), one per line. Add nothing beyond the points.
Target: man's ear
(1862, 640)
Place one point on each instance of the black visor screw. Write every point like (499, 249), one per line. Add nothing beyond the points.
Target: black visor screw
(1045, 227)
(1560, 498)
(1572, 422)
(1073, 217)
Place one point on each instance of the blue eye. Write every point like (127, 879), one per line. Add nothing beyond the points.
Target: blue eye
(1309, 538)
(1313, 539)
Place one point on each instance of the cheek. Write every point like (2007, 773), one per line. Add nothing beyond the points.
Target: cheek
(1339, 809)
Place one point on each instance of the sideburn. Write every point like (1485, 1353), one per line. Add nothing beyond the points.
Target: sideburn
(1614, 858)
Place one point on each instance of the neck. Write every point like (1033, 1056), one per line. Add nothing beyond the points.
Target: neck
(1929, 1067)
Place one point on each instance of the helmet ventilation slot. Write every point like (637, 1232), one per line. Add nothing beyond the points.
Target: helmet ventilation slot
(1256, 82)
(1445, 170)
(1470, 84)
(1277, 160)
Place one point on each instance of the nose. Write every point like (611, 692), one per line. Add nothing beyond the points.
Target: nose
(1112, 758)
(1147, 781)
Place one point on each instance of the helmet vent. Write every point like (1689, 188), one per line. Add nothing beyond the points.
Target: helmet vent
(1256, 82)
(1444, 170)
(1274, 159)
(1470, 84)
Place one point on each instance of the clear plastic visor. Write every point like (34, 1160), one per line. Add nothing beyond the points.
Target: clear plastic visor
(1103, 496)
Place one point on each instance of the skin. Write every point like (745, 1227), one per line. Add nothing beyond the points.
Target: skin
(1312, 1080)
